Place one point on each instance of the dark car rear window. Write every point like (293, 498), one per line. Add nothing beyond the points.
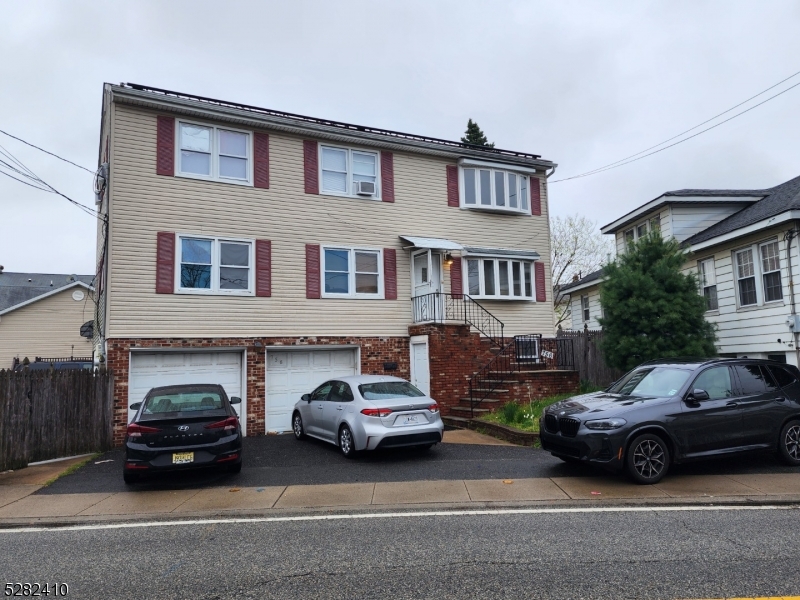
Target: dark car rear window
(198, 402)
(782, 376)
(386, 390)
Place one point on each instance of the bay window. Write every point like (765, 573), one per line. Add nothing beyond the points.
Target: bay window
(502, 279)
(494, 189)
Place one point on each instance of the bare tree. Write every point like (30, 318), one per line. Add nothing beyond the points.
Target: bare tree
(577, 249)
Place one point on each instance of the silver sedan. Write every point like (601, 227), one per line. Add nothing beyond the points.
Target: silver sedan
(366, 412)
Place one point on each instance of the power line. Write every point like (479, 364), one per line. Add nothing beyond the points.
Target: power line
(625, 161)
(46, 151)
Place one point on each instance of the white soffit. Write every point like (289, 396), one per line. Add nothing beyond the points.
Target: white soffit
(428, 243)
(501, 253)
(473, 162)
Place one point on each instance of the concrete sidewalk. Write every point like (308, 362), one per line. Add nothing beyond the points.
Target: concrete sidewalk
(18, 506)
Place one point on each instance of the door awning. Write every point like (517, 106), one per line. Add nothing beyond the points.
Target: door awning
(428, 243)
(502, 253)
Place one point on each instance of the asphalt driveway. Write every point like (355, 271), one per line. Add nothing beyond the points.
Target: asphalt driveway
(282, 460)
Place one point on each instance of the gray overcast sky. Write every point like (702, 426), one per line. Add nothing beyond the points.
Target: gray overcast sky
(581, 83)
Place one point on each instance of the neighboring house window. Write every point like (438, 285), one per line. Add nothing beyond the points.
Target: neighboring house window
(771, 271)
(655, 223)
(708, 283)
(746, 277)
(351, 273)
(499, 279)
(208, 152)
(494, 189)
(641, 230)
(585, 307)
(215, 265)
(344, 168)
(629, 236)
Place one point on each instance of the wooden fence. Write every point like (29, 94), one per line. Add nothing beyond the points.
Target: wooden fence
(52, 414)
(588, 358)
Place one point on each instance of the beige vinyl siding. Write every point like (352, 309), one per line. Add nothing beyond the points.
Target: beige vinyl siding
(144, 203)
(48, 328)
(751, 331)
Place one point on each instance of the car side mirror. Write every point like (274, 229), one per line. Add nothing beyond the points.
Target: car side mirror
(236, 400)
(135, 406)
(698, 395)
(306, 397)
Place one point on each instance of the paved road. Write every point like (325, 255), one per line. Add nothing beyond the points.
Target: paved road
(655, 554)
(281, 460)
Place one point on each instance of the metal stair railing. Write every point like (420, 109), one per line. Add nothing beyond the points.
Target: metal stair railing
(438, 307)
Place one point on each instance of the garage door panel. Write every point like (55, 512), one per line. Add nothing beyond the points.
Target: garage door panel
(292, 374)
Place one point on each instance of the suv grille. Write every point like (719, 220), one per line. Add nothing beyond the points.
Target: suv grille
(551, 423)
(569, 427)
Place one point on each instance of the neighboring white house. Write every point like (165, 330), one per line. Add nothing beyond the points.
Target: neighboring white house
(742, 243)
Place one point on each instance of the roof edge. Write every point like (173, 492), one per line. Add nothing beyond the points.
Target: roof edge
(46, 295)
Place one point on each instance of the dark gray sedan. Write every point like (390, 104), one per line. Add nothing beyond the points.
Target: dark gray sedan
(672, 411)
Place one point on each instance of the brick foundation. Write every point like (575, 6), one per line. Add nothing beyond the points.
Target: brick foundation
(375, 351)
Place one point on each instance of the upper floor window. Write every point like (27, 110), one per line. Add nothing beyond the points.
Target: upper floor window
(215, 265)
(630, 236)
(585, 307)
(708, 282)
(641, 230)
(655, 223)
(210, 152)
(499, 279)
(351, 273)
(494, 189)
(758, 274)
(771, 271)
(348, 172)
(746, 277)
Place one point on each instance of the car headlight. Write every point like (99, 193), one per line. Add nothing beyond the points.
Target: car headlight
(605, 424)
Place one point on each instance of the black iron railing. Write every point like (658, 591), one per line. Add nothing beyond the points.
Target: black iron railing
(438, 307)
(491, 376)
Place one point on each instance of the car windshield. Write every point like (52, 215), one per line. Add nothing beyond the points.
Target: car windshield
(652, 381)
(196, 401)
(386, 390)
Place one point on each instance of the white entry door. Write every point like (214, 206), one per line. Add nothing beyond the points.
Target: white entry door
(154, 369)
(290, 374)
(427, 279)
(420, 363)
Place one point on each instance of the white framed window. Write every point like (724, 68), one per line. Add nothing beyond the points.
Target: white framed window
(708, 282)
(641, 230)
(771, 271)
(351, 273)
(630, 236)
(585, 308)
(655, 223)
(745, 277)
(499, 279)
(341, 170)
(212, 265)
(214, 153)
(494, 189)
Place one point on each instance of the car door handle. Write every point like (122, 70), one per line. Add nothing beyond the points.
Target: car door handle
(340, 408)
(780, 399)
(732, 404)
(320, 407)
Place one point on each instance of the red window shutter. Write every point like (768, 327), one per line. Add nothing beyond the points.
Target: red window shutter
(263, 268)
(390, 274)
(165, 263)
(387, 176)
(312, 271)
(541, 293)
(452, 185)
(261, 160)
(165, 146)
(310, 167)
(456, 278)
(536, 197)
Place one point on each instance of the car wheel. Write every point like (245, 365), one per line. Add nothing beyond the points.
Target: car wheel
(130, 478)
(297, 427)
(789, 444)
(647, 460)
(346, 442)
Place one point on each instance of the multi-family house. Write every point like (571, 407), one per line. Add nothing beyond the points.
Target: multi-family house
(44, 315)
(269, 251)
(743, 246)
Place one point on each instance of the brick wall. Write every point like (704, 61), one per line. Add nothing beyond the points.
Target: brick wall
(374, 352)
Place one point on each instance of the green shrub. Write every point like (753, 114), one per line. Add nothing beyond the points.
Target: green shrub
(511, 411)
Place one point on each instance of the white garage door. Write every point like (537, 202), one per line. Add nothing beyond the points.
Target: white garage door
(151, 369)
(294, 373)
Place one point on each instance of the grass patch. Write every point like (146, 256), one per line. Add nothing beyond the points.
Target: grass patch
(72, 469)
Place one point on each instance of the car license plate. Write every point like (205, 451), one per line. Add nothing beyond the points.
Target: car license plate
(409, 420)
(180, 458)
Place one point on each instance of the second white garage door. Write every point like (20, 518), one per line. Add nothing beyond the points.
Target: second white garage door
(294, 373)
(154, 369)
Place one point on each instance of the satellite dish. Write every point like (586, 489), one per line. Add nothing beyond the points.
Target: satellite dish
(87, 330)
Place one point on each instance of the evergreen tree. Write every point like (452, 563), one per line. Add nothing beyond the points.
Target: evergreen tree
(474, 135)
(652, 309)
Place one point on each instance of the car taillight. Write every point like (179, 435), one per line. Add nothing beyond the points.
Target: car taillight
(229, 424)
(376, 412)
(135, 430)
(434, 408)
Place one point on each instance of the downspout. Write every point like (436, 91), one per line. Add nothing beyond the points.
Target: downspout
(790, 235)
(547, 175)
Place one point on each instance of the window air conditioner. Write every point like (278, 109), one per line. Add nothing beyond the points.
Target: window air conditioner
(365, 188)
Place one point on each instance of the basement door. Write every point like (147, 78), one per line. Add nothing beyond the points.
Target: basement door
(420, 363)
